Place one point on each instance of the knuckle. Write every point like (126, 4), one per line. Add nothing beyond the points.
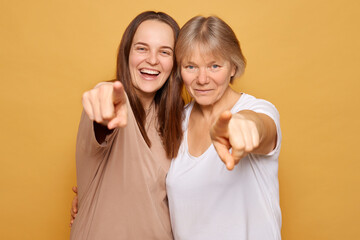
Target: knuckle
(252, 124)
(238, 146)
(249, 148)
(98, 119)
(107, 116)
(85, 96)
(237, 154)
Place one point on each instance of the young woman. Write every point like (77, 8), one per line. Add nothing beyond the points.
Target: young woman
(206, 200)
(127, 135)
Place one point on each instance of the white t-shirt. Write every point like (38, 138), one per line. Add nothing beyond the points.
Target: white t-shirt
(207, 201)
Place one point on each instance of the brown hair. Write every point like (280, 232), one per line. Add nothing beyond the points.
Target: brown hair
(213, 36)
(168, 101)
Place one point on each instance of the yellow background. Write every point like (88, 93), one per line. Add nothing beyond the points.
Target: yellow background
(303, 56)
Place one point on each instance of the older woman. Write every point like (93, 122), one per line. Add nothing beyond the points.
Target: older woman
(206, 200)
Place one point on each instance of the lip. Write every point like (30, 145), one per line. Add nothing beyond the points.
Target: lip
(149, 73)
(202, 91)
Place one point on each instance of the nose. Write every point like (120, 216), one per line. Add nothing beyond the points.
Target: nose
(153, 58)
(202, 76)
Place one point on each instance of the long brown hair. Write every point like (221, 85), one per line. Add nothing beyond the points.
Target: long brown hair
(213, 36)
(168, 101)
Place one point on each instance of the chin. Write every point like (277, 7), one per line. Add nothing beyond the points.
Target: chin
(149, 90)
(206, 100)
(203, 101)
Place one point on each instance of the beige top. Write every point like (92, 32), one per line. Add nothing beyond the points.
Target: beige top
(121, 184)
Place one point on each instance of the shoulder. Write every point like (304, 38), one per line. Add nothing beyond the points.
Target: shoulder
(249, 102)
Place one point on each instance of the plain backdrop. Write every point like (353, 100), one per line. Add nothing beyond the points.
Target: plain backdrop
(303, 56)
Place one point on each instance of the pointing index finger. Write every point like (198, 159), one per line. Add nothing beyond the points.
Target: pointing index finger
(118, 93)
(221, 124)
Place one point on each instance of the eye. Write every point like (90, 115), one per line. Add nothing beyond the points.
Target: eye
(190, 68)
(166, 52)
(215, 66)
(140, 48)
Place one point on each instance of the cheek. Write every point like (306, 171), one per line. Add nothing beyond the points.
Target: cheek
(132, 61)
(168, 66)
(135, 59)
(186, 78)
(224, 81)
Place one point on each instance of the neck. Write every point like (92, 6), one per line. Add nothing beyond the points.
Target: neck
(147, 103)
(146, 99)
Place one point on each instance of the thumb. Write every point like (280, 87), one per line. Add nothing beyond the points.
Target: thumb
(224, 154)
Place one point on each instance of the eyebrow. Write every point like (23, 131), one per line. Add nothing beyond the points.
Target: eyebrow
(209, 63)
(190, 62)
(142, 43)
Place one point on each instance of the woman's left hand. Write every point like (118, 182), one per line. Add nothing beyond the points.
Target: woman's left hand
(236, 132)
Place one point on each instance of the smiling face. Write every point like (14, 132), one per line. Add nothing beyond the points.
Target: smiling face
(151, 56)
(206, 77)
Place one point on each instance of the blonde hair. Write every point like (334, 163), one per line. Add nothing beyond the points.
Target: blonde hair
(213, 36)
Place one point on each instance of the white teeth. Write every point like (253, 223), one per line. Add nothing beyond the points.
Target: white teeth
(148, 71)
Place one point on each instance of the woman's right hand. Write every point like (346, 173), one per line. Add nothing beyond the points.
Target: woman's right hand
(106, 104)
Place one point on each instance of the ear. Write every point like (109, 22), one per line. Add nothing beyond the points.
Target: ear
(233, 70)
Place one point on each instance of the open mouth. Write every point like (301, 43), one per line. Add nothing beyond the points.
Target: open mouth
(149, 73)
